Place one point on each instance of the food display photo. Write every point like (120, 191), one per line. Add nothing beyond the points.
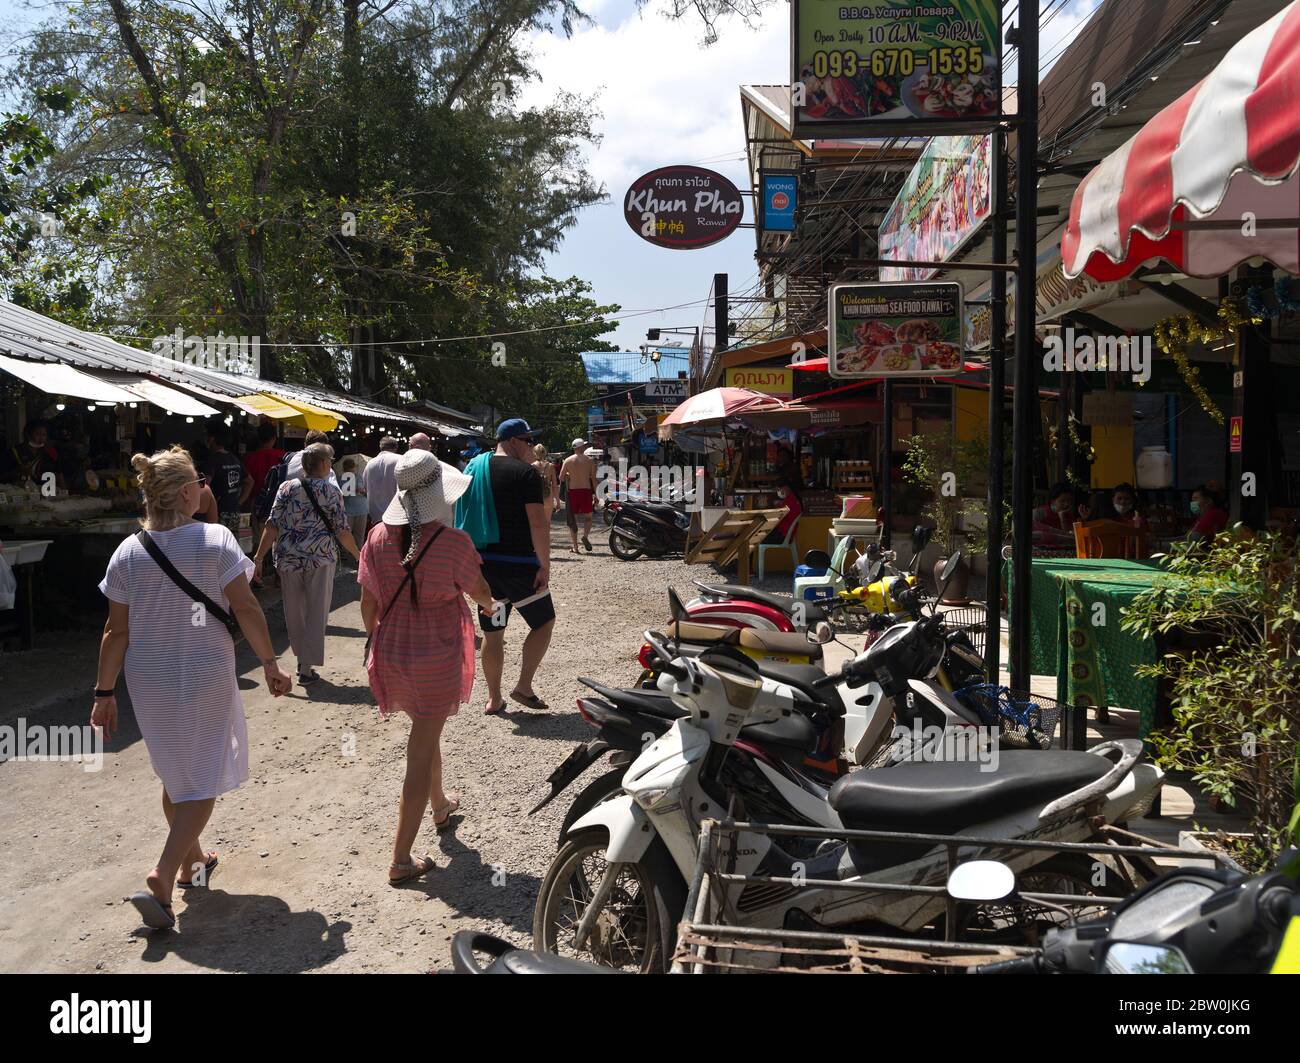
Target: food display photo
(896, 329)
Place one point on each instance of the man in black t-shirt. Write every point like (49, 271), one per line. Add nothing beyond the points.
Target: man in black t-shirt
(517, 566)
(226, 477)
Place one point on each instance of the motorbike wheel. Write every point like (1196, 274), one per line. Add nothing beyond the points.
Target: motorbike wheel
(596, 792)
(623, 546)
(634, 932)
(1022, 924)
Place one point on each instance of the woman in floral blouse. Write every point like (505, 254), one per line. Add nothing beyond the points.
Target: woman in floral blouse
(306, 553)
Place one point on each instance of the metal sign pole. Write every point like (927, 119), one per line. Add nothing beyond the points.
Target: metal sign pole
(1026, 377)
(997, 396)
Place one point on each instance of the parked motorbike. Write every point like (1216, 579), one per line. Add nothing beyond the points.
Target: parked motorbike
(614, 888)
(1192, 920)
(648, 528)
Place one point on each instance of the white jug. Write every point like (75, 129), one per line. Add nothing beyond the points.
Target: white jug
(1155, 469)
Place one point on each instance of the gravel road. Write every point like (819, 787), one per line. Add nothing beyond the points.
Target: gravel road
(305, 843)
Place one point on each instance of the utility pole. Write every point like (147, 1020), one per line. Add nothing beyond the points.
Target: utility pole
(997, 396)
(1025, 409)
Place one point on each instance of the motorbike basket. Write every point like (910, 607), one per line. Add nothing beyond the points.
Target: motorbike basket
(1026, 721)
(971, 619)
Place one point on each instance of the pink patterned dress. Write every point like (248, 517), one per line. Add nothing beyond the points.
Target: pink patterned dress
(422, 655)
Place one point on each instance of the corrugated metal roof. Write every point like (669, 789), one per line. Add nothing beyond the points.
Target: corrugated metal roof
(27, 334)
(632, 367)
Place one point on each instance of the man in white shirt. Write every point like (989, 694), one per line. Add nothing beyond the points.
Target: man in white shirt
(380, 478)
(294, 469)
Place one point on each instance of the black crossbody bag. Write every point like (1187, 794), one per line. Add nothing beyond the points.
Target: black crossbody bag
(365, 654)
(171, 572)
(320, 512)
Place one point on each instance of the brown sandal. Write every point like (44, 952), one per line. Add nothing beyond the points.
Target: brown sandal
(412, 871)
(442, 818)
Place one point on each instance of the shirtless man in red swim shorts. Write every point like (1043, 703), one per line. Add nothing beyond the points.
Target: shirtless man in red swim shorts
(579, 475)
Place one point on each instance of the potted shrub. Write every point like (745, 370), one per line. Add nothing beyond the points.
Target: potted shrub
(1236, 701)
(952, 473)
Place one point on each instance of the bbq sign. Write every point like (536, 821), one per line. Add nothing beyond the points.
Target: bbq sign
(683, 207)
(895, 330)
(905, 65)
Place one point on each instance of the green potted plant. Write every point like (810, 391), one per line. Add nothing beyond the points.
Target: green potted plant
(1236, 699)
(954, 476)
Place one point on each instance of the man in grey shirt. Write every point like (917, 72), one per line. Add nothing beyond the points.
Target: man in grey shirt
(380, 478)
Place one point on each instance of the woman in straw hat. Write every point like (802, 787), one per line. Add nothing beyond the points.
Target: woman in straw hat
(415, 569)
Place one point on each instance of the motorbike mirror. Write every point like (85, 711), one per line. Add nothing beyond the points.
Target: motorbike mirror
(920, 537)
(1129, 957)
(981, 880)
(817, 559)
(675, 607)
(820, 633)
(946, 574)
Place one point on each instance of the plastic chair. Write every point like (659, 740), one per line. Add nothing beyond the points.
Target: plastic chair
(1108, 538)
(786, 544)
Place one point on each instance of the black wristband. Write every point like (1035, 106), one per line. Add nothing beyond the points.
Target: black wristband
(104, 693)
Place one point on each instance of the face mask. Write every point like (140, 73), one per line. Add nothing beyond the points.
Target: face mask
(1123, 507)
(1196, 507)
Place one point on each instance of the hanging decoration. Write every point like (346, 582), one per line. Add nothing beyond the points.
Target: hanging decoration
(1174, 335)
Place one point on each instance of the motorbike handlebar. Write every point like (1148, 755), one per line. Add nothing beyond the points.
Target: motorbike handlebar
(1021, 965)
(660, 650)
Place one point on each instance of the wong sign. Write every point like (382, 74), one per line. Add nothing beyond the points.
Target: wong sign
(780, 197)
(683, 207)
(944, 200)
(905, 66)
(895, 330)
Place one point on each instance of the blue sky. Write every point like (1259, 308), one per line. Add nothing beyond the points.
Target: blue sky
(663, 99)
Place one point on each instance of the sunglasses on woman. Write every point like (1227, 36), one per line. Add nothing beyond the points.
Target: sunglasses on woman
(202, 481)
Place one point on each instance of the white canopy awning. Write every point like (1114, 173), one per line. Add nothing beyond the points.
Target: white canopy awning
(55, 378)
(169, 399)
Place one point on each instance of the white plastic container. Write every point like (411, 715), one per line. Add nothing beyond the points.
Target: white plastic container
(1155, 469)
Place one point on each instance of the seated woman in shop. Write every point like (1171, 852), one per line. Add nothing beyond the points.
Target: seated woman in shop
(1124, 507)
(1207, 508)
(785, 496)
(1054, 523)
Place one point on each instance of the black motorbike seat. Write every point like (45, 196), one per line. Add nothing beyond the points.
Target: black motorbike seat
(947, 797)
(812, 612)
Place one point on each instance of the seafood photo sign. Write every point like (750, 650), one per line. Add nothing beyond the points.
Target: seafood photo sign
(901, 65)
(896, 329)
(683, 207)
(943, 202)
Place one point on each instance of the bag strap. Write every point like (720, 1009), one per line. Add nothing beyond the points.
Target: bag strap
(170, 570)
(407, 578)
(319, 511)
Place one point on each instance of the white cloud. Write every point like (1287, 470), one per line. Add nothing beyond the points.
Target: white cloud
(663, 98)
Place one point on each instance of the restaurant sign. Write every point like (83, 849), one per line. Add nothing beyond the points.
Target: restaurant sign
(895, 329)
(780, 197)
(906, 66)
(943, 202)
(777, 382)
(683, 207)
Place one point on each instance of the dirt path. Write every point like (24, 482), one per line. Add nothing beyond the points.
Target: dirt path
(305, 843)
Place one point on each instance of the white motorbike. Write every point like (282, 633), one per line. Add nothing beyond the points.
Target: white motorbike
(616, 887)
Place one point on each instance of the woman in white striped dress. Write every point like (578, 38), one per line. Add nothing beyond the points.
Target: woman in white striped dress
(180, 666)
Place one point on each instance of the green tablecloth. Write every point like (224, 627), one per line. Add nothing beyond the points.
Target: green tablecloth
(1076, 609)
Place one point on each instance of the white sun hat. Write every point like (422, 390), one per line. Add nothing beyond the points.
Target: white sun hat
(427, 490)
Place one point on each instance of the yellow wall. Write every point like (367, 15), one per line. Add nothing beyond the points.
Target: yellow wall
(1112, 447)
(972, 412)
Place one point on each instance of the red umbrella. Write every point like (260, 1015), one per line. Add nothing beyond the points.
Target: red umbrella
(719, 404)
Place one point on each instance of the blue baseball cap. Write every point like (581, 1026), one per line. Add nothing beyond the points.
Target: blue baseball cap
(516, 428)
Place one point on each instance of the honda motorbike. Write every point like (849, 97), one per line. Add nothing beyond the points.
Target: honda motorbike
(648, 528)
(616, 884)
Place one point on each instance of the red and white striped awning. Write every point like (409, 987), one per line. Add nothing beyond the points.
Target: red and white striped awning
(1228, 146)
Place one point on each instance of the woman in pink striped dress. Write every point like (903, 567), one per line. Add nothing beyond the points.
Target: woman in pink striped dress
(415, 570)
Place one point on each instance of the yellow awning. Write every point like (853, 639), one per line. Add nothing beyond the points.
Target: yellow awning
(293, 411)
